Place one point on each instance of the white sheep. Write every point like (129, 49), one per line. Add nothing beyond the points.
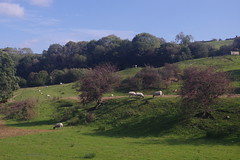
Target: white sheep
(157, 93)
(58, 125)
(139, 94)
(131, 93)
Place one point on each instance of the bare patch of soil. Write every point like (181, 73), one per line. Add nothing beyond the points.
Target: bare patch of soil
(6, 131)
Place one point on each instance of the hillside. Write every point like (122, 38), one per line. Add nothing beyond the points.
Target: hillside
(218, 44)
(119, 113)
(121, 128)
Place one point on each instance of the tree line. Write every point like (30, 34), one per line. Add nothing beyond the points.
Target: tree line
(62, 63)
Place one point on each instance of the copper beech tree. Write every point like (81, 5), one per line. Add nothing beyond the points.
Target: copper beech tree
(201, 88)
(98, 81)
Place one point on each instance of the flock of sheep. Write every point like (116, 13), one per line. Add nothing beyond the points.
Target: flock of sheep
(140, 94)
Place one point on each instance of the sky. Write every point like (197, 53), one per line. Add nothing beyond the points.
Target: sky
(37, 24)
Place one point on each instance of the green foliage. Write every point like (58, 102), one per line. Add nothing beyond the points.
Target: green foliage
(38, 79)
(183, 39)
(67, 75)
(236, 43)
(8, 82)
(145, 43)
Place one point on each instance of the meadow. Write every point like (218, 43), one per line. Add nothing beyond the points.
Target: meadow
(126, 128)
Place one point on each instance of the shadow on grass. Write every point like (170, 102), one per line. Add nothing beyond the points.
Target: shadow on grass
(32, 123)
(149, 126)
(235, 75)
(196, 141)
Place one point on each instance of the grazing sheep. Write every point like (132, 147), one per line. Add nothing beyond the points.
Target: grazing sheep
(158, 93)
(58, 125)
(139, 94)
(131, 93)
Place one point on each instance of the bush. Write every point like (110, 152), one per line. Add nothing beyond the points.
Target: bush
(22, 110)
(90, 117)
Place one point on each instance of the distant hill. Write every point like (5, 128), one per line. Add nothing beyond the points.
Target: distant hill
(218, 44)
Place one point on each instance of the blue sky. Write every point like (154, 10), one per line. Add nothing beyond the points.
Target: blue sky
(38, 23)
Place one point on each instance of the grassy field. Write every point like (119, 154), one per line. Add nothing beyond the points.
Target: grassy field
(143, 129)
(80, 142)
(127, 128)
(218, 44)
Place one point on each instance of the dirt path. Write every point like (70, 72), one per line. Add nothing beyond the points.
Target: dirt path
(116, 97)
(6, 131)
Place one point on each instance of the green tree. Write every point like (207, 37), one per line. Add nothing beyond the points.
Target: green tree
(8, 82)
(38, 79)
(183, 39)
(146, 43)
(199, 49)
(236, 43)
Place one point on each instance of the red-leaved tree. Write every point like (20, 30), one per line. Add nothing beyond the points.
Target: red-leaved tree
(201, 88)
(98, 81)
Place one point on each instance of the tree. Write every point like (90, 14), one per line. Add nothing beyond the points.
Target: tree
(98, 81)
(148, 78)
(38, 79)
(183, 39)
(199, 49)
(170, 73)
(201, 88)
(236, 43)
(146, 43)
(8, 82)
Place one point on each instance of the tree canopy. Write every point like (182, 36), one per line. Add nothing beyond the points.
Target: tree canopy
(8, 82)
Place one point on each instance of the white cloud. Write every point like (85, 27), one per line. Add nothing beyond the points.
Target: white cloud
(11, 9)
(43, 3)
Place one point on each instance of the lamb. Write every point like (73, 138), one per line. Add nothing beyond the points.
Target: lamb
(58, 125)
(158, 93)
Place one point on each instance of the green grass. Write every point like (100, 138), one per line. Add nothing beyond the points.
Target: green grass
(225, 63)
(128, 128)
(130, 72)
(135, 129)
(218, 44)
(75, 143)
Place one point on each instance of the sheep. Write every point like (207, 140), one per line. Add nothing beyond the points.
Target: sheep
(139, 94)
(157, 93)
(131, 93)
(58, 125)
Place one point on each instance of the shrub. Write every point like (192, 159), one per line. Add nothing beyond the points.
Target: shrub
(22, 110)
(147, 78)
(90, 117)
